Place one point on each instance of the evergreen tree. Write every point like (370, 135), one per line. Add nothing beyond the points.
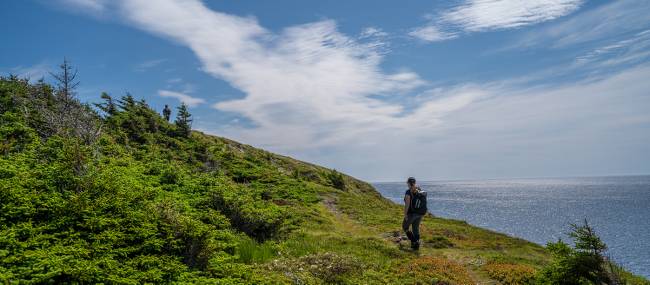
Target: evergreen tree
(64, 115)
(183, 121)
(583, 264)
(66, 80)
(586, 240)
(109, 107)
(127, 103)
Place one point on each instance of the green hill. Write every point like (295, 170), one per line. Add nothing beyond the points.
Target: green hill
(119, 195)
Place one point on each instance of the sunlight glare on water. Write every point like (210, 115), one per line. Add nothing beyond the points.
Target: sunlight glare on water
(540, 210)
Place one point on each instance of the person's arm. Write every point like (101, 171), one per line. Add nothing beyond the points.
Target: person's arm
(407, 204)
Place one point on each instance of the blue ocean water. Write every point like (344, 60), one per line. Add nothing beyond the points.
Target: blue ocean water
(540, 210)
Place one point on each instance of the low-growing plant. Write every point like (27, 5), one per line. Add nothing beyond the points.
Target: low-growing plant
(511, 274)
(329, 267)
(438, 242)
(434, 270)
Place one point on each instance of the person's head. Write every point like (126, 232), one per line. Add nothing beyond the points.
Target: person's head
(411, 183)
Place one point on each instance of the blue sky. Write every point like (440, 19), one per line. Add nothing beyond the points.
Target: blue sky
(381, 90)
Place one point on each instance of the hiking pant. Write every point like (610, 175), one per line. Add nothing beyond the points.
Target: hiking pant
(414, 221)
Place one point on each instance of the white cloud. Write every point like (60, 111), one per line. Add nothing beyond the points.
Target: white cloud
(486, 15)
(310, 81)
(317, 94)
(481, 15)
(182, 97)
(431, 34)
(589, 127)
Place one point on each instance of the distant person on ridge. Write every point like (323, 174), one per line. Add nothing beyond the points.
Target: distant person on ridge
(415, 207)
(167, 112)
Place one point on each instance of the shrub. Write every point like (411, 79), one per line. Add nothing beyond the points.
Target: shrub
(336, 179)
(14, 135)
(170, 176)
(329, 267)
(438, 242)
(583, 264)
(190, 238)
(432, 270)
(259, 219)
(511, 274)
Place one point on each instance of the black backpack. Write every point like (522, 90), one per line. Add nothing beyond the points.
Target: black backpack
(419, 202)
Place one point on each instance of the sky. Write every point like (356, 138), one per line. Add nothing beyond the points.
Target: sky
(381, 90)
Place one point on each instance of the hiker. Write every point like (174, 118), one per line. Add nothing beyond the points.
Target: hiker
(167, 113)
(415, 207)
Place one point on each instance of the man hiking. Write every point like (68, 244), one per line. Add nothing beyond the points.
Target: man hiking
(415, 207)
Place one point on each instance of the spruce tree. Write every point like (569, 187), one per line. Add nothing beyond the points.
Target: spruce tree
(109, 107)
(127, 103)
(66, 81)
(183, 121)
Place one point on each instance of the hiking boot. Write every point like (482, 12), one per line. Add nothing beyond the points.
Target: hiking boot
(415, 245)
(409, 235)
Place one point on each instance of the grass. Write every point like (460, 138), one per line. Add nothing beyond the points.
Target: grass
(251, 251)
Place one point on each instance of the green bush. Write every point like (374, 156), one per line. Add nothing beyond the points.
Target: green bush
(336, 179)
(583, 264)
(438, 242)
(259, 219)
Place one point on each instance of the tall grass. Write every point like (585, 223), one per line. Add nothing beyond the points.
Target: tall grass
(250, 251)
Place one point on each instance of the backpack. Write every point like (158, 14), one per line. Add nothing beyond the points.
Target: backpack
(419, 203)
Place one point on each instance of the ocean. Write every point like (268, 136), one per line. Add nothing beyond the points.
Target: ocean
(540, 210)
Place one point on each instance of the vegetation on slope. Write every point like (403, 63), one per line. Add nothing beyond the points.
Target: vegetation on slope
(117, 194)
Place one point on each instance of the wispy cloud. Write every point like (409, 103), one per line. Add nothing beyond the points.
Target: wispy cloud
(625, 51)
(92, 5)
(608, 21)
(514, 130)
(372, 32)
(149, 64)
(34, 72)
(323, 90)
(174, 80)
(182, 97)
(95, 8)
(305, 76)
(431, 33)
(595, 62)
(486, 15)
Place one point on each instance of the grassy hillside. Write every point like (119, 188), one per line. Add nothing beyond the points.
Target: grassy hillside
(123, 196)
